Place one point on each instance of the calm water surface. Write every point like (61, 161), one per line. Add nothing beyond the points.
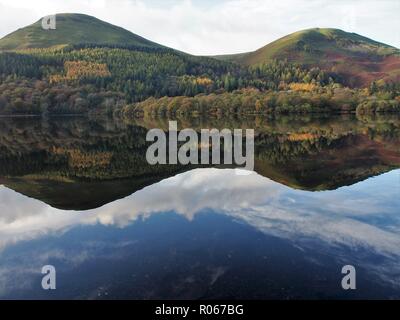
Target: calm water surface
(78, 194)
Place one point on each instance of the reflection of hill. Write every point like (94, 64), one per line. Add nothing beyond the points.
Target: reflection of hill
(75, 163)
(351, 159)
(77, 195)
(80, 164)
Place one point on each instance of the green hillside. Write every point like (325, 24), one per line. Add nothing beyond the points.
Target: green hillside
(359, 60)
(72, 29)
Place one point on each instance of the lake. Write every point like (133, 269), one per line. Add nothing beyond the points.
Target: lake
(77, 193)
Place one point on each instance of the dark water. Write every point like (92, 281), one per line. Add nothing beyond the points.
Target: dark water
(78, 194)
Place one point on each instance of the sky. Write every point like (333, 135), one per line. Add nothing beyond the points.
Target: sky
(206, 27)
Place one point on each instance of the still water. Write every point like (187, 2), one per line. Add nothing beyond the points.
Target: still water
(78, 194)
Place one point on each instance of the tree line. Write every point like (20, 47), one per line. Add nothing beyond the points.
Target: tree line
(107, 79)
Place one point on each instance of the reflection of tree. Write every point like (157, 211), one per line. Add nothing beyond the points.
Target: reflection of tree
(301, 152)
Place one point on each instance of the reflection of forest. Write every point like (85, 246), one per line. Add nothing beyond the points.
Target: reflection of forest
(82, 163)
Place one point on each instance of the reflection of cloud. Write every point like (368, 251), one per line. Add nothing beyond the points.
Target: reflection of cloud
(261, 202)
(355, 217)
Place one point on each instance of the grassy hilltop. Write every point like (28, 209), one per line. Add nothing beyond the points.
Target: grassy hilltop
(72, 28)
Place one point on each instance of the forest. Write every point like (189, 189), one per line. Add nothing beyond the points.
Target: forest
(132, 81)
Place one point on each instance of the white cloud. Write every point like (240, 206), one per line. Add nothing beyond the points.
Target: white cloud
(217, 27)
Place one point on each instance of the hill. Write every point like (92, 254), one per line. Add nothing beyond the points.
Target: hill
(87, 66)
(357, 59)
(72, 29)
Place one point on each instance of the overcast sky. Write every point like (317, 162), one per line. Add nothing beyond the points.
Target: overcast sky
(218, 27)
